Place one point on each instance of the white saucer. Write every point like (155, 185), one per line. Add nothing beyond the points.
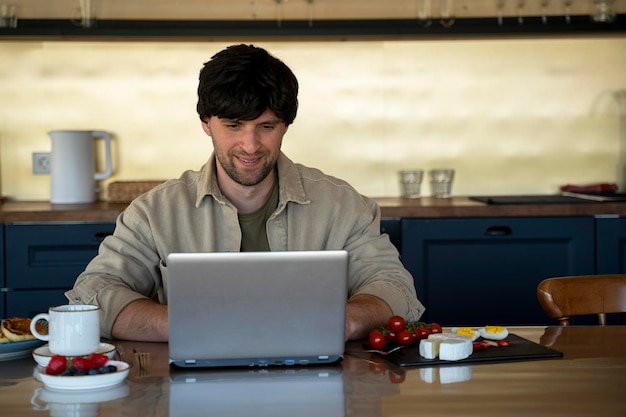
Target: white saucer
(84, 382)
(42, 355)
(115, 392)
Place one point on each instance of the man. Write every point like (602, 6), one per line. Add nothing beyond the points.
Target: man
(248, 197)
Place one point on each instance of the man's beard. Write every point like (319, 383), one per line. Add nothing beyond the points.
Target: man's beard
(246, 177)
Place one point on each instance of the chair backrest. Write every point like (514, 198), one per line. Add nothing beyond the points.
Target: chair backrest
(563, 297)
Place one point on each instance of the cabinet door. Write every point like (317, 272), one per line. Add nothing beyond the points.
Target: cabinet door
(485, 271)
(611, 244)
(28, 303)
(43, 261)
(48, 256)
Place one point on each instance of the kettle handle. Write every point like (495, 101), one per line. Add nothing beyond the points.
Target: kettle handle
(108, 170)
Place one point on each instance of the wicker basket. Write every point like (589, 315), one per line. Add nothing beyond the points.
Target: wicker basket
(127, 191)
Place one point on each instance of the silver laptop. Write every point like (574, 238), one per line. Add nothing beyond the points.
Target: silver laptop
(259, 392)
(256, 308)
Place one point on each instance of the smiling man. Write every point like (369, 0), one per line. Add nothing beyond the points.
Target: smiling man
(248, 197)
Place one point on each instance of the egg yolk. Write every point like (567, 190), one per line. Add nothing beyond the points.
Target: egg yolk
(494, 329)
(465, 331)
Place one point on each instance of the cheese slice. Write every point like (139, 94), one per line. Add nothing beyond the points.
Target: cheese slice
(446, 346)
(446, 374)
(429, 348)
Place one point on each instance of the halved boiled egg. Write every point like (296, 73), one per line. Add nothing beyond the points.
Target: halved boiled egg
(466, 331)
(493, 332)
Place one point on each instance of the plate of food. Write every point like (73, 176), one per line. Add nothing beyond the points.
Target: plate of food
(16, 340)
(107, 375)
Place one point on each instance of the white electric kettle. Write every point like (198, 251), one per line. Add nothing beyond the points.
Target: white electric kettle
(72, 165)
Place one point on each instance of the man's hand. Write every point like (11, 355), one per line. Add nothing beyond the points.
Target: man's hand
(363, 313)
(142, 320)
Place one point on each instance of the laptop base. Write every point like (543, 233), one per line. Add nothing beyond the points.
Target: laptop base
(259, 362)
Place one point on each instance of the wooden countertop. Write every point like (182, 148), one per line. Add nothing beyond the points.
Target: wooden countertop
(425, 207)
(43, 211)
(587, 381)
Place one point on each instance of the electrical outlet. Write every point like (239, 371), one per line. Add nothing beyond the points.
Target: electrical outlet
(41, 162)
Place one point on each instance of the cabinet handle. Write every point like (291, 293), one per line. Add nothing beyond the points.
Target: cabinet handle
(498, 231)
(99, 236)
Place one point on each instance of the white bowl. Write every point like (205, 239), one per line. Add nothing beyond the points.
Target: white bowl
(42, 355)
(85, 382)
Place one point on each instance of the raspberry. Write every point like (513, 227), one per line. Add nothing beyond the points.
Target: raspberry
(98, 360)
(57, 365)
(82, 364)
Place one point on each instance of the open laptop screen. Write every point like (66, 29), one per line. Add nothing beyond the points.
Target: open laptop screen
(256, 308)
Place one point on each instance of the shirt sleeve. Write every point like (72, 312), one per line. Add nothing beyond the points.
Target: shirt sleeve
(376, 268)
(120, 273)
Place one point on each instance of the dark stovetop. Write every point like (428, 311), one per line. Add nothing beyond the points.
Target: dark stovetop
(571, 198)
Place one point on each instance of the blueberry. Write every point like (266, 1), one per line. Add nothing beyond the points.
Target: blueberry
(92, 371)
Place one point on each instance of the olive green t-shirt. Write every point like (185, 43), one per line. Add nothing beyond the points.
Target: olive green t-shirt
(253, 230)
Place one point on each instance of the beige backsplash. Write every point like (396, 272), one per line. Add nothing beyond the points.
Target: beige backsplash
(511, 115)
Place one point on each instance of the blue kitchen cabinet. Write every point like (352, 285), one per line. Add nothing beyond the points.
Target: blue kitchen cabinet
(43, 260)
(611, 252)
(393, 227)
(611, 244)
(480, 271)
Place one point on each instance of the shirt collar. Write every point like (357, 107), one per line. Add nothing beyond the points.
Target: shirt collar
(289, 183)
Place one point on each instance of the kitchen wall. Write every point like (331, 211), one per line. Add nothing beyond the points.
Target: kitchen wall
(510, 115)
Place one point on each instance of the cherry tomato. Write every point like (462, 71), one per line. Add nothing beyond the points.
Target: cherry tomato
(377, 367)
(435, 328)
(479, 346)
(377, 339)
(396, 324)
(390, 336)
(416, 334)
(396, 378)
(404, 337)
(423, 332)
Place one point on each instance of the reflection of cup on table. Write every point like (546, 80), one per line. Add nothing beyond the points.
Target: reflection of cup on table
(76, 403)
(410, 182)
(441, 182)
(73, 330)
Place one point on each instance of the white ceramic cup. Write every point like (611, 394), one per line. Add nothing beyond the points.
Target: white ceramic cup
(73, 330)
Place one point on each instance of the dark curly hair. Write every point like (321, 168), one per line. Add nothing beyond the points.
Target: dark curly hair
(243, 81)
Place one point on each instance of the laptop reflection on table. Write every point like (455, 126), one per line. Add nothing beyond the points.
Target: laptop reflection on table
(276, 392)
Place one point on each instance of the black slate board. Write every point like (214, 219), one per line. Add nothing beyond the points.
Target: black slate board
(520, 349)
(531, 199)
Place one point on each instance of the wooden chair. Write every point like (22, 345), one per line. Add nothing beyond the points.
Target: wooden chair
(564, 297)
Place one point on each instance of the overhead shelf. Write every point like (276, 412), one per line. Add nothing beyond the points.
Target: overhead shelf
(329, 28)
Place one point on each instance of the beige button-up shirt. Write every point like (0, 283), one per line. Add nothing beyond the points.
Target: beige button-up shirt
(190, 214)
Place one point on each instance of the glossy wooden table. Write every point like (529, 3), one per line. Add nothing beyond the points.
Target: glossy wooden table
(589, 380)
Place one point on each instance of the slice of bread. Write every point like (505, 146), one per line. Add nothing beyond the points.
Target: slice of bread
(17, 329)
